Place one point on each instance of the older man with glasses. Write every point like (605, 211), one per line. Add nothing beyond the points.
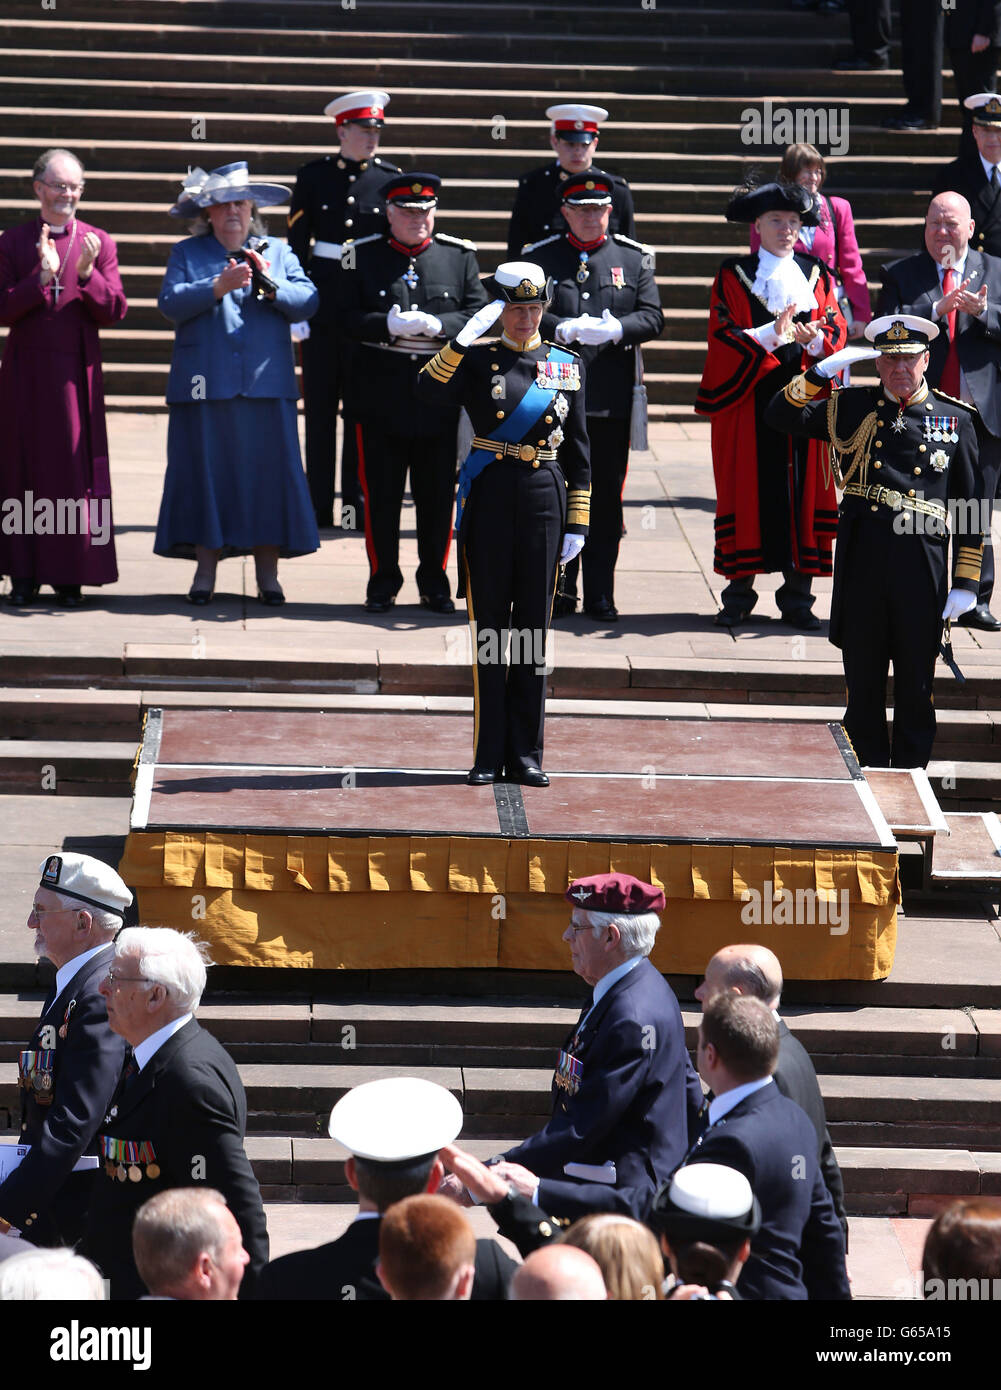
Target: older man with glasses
(179, 1114)
(59, 284)
(71, 1065)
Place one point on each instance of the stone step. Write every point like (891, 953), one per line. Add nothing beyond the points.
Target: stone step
(965, 785)
(50, 767)
(970, 856)
(884, 1181)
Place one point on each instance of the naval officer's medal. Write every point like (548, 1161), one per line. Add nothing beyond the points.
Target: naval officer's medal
(583, 271)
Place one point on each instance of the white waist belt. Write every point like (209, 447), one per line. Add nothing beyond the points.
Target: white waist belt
(327, 250)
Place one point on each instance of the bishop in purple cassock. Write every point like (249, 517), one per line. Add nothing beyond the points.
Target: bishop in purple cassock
(59, 283)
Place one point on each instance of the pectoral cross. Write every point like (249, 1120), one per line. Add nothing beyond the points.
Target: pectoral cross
(57, 290)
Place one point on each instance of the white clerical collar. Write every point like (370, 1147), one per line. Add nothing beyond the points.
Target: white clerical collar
(722, 1105)
(607, 981)
(151, 1045)
(72, 968)
(779, 280)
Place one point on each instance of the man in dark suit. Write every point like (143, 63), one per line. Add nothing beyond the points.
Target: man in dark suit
(179, 1115)
(972, 35)
(754, 970)
(976, 175)
(799, 1251)
(393, 1130)
(958, 288)
(73, 1060)
(574, 138)
(605, 304)
(624, 1088)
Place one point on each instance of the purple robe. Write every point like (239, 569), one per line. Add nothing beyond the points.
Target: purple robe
(53, 441)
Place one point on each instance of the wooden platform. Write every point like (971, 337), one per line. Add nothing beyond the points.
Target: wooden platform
(352, 841)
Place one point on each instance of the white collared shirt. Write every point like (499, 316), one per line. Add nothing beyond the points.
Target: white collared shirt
(989, 168)
(722, 1105)
(151, 1045)
(607, 981)
(72, 968)
(958, 268)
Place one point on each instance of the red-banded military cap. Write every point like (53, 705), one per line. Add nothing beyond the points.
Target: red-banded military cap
(575, 122)
(615, 893)
(592, 188)
(412, 190)
(366, 108)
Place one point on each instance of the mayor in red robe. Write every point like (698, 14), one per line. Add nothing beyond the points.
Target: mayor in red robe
(55, 484)
(772, 314)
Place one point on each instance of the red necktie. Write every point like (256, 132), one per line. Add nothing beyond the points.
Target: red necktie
(949, 382)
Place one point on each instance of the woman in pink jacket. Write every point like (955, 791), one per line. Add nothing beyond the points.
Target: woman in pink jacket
(833, 241)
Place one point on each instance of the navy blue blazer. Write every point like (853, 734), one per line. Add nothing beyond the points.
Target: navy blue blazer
(43, 1196)
(236, 345)
(799, 1252)
(637, 1089)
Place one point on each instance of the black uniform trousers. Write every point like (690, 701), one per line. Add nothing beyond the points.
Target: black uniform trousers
(990, 466)
(609, 464)
(512, 528)
(870, 22)
(921, 30)
(323, 379)
(384, 456)
(891, 614)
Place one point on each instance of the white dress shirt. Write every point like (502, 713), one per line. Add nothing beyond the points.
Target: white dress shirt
(67, 972)
(151, 1045)
(722, 1105)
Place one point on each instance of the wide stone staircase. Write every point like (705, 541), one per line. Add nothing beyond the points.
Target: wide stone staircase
(910, 1068)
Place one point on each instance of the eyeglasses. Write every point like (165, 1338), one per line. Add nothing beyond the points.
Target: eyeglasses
(64, 187)
(114, 978)
(43, 911)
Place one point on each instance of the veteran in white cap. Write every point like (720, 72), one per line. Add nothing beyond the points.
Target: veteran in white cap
(906, 460)
(573, 136)
(337, 198)
(392, 1131)
(72, 1062)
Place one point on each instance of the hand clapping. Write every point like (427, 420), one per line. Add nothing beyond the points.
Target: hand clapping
(48, 256)
(236, 276)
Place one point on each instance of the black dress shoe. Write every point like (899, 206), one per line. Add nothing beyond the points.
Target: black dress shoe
(271, 598)
(980, 617)
(199, 597)
(565, 606)
(438, 603)
(527, 776)
(379, 605)
(731, 617)
(22, 591)
(908, 121)
(858, 62)
(805, 621)
(481, 776)
(69, 595)
(604, 611)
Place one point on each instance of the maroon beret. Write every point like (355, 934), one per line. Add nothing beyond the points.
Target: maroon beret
(615, 893)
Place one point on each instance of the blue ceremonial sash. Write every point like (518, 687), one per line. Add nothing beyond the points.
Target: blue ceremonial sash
(532, 404)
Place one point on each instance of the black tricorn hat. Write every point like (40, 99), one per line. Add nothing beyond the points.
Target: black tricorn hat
(520, 282)
(751, 203)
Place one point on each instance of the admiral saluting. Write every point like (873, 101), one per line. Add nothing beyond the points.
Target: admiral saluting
(906, 459)
(523, 508)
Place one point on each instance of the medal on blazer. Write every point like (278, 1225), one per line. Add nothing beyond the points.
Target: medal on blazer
(939, 460)
(582, 270)
(569, 1073)
(618, 278)
(562, 376)
(942, 429)
(66, 1018)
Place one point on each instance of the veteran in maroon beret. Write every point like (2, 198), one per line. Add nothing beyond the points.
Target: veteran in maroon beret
(624, 1090)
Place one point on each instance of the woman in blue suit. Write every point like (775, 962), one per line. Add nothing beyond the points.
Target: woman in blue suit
(235, 483)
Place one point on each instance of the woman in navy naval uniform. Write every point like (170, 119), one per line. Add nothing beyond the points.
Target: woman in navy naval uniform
(523, 509)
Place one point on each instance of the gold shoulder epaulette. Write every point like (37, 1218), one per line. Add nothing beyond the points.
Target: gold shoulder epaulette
(534, 245)
(964, 405)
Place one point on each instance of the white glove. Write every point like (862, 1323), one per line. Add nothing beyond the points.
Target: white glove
(845, 358)
(595, 332)
(482, 320)
(571, 548)
(960, 601)
(569, 330)
(425, 325)
(299, 331)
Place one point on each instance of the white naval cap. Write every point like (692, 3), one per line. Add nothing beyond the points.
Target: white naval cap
(986, 108)
(897, 335)
(86, 880)
(368, 108)
(706, 1201)
(575, 122)
(396, 1120)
